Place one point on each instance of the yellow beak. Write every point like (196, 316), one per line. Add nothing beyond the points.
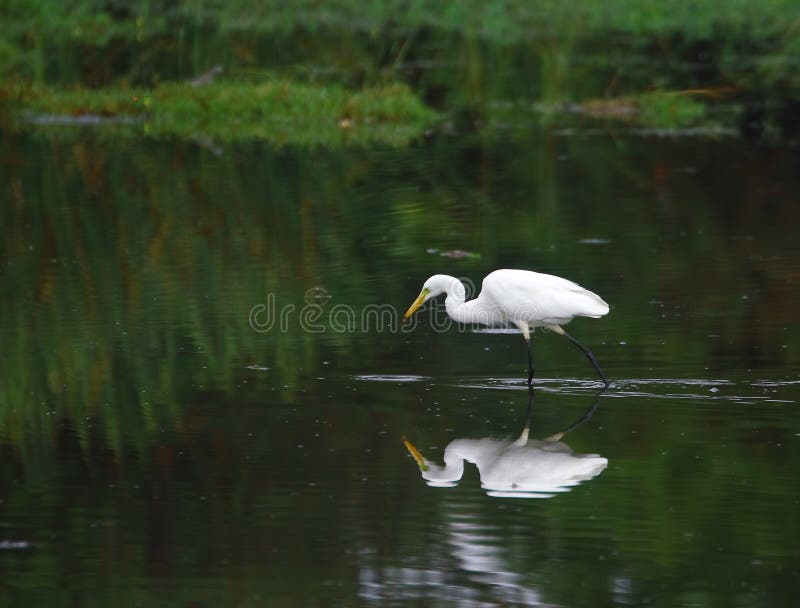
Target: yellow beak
(421, 463)
(417, 303)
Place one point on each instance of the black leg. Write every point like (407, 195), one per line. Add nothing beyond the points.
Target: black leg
(587, 415)
(530, 363)
(523, 438)
(530, 408)
(590, 356)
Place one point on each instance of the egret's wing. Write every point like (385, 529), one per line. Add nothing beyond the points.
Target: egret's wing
(534, 469)
(560, 303)
(539, 297)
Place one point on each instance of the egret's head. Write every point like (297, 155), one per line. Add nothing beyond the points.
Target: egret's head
(435, 475)
(434, 286)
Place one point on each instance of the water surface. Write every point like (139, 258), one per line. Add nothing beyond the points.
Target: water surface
(160, 447)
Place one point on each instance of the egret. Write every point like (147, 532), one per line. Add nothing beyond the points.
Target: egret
(528, 468)
(524, 468)
(518, 297)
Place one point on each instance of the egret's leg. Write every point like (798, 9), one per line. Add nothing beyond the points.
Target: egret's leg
(527, 335)
(523, 437)
(530, 364)
(583, 418)
(560, 330)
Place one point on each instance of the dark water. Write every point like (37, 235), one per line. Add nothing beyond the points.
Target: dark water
(204, 391)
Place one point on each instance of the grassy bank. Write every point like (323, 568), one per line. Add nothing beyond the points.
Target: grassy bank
(279, 111)
(676, 65)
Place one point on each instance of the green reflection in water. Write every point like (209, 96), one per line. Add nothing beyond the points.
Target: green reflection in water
(163, 251)
(148, 453)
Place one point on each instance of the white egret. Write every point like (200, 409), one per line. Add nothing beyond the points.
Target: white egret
(524, 468)
(533, 469)
(518, 297)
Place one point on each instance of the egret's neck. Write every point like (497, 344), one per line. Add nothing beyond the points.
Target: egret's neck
(450, 473)
(454, 303)
(473, 311)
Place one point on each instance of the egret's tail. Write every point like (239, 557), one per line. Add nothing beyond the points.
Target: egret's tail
(594, 306)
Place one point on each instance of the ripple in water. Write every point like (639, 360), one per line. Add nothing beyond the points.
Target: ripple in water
(391, 378)
(661, 388)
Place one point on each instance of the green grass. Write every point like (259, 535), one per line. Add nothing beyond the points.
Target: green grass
(529, 51)
(280, 111)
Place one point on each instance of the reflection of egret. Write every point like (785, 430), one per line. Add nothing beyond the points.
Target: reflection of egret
(519, 297)
(525, 468)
